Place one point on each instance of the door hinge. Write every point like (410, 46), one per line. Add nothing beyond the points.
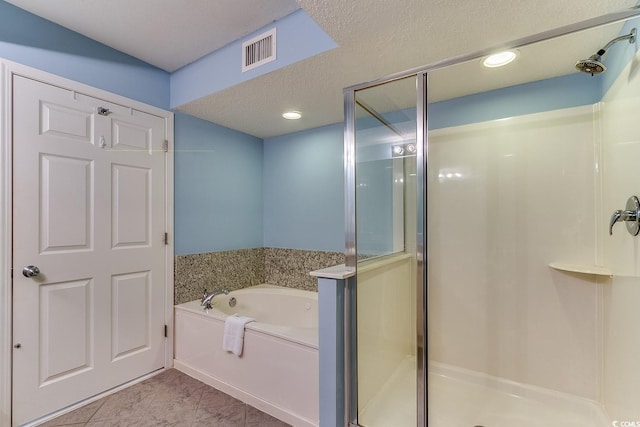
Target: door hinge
(166, 238)
(166, 331)
(12, 272)
(165, 146)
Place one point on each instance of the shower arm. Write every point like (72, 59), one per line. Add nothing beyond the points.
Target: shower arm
(631, 37)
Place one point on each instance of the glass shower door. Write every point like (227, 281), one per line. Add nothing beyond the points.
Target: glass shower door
(532, 288)
(386, 199)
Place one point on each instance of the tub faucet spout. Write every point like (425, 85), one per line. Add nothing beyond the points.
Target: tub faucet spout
(208, 297)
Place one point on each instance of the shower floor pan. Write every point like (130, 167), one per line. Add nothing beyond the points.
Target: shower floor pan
(459, 398)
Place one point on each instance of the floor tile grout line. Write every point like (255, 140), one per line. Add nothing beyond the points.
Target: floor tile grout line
(195, 411)
(96, 411)
(246, 411)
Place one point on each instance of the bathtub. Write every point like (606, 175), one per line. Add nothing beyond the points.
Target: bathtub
(278, 370)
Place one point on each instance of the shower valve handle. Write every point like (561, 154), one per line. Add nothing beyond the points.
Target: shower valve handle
(615, 217)
(630, 215)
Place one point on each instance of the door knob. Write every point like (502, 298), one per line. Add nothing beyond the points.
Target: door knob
(30, 271)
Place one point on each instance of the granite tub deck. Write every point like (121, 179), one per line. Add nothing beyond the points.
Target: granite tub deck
(170, 398)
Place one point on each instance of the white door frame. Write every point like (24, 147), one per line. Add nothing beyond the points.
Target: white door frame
(7, 70)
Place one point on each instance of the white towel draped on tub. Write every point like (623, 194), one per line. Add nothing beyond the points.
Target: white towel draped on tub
(233, 339)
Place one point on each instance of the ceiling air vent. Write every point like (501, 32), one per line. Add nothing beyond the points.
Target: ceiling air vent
(259, 50)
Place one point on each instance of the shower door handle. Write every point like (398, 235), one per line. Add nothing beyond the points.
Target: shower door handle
(631, 216)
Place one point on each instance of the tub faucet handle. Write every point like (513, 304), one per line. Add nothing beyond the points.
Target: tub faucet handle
(208, 297)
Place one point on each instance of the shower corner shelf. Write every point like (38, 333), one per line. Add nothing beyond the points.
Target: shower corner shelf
(596, 270)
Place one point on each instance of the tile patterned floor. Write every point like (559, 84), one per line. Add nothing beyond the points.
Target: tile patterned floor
(168, 399)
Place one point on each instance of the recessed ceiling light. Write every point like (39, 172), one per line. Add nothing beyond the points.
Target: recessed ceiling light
(292, 115)
(499, 59)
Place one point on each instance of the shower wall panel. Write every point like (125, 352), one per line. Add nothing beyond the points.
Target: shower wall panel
(621, 149)
(505, 199)
(385, 338)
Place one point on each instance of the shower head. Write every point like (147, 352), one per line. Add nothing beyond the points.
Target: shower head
(594, 65)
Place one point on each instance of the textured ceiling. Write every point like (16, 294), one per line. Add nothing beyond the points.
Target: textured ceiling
(379, 37)
(375, 38)
(166, 33)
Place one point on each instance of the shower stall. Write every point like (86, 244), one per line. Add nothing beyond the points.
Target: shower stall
(495, 282)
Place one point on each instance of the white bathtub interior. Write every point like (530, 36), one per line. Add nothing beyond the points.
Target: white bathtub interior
(278, 370)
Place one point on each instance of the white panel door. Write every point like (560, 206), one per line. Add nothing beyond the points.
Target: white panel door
(89, 203)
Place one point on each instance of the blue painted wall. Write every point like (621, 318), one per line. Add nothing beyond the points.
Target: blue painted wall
(545, 95)
(303, 175)
(619, 55)
(235, 191)
(374, 207)
(222, 175)
(303, 188)
(28, 39)
(218, 187)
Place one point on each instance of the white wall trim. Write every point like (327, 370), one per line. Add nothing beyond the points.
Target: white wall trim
(7, 70)
(5, 245)
(170, 253)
